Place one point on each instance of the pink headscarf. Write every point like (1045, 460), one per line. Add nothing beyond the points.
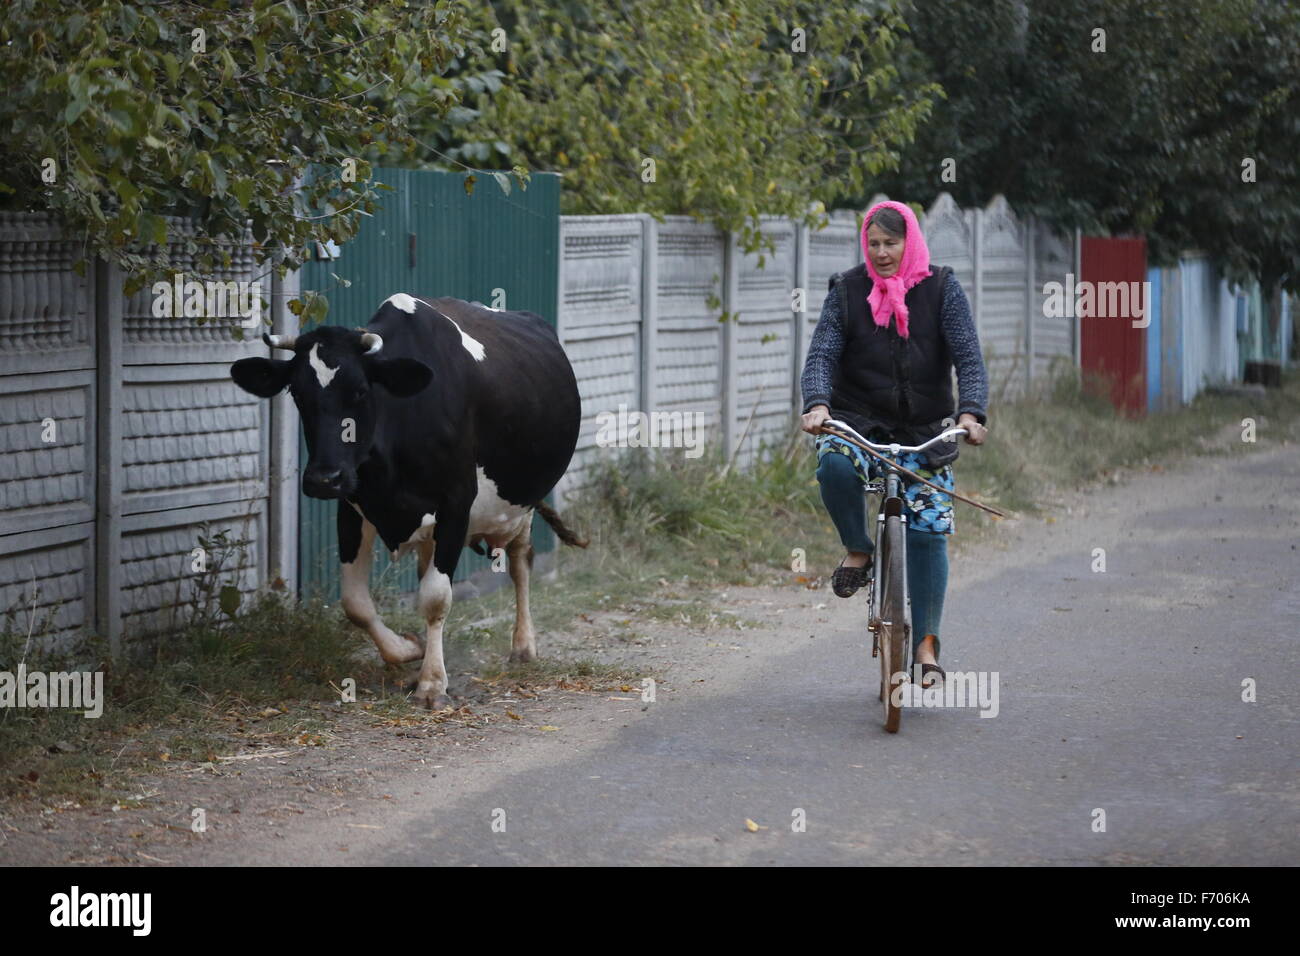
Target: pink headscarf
(886, 296)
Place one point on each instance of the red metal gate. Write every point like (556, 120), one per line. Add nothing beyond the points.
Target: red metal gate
(1112, 351)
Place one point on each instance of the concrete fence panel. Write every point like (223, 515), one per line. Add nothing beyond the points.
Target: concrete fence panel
(123, 437)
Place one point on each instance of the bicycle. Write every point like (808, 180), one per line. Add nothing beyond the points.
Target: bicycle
(890, 615)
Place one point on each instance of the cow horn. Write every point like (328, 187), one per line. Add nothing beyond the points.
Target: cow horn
(371, 342)
(279, 341)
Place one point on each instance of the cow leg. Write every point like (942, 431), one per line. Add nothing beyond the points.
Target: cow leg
(435, 602)
(356, 538)
(520, 553)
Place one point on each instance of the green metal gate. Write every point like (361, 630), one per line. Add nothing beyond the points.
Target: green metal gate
(432, 239)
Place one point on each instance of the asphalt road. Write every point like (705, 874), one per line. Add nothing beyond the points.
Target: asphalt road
(1118, 692)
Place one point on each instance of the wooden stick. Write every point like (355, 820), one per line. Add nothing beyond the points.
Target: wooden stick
(745, 434)
(832, 430)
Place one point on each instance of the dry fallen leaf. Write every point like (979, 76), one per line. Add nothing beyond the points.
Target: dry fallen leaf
(547, 727)
(512, 715)
(752, 827)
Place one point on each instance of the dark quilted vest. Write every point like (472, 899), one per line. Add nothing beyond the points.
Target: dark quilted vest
(899, 388)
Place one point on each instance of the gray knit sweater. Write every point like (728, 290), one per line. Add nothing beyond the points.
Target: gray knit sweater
(958, 329)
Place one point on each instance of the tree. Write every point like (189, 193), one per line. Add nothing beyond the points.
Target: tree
(118, 114)
(728, 111)
(1143, 128)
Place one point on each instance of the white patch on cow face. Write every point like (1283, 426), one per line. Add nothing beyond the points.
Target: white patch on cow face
(324, 374)
(400, 300)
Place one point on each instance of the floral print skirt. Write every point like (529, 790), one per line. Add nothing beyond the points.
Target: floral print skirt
(927, 509)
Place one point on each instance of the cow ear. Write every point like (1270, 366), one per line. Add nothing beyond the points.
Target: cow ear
(262, 377)
(401, 376)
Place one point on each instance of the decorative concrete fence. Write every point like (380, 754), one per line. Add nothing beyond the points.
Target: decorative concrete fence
(641, 303)
(123, 437)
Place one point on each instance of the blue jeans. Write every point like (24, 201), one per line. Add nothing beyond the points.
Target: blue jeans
(927, 551)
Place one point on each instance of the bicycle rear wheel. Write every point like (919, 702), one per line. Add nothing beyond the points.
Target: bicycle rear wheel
(893, 612)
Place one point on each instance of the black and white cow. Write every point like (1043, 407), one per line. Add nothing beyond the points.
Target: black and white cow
(443, 423)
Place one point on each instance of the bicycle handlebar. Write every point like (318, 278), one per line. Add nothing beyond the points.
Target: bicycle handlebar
(894, 447)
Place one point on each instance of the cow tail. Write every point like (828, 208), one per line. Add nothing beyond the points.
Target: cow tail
(562, 531)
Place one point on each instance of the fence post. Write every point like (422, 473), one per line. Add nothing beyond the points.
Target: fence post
(1076, 328)
(108, 301)
(1031, 265)
(1171, 331)
(977, 258)
(801, 270)
(282, 502)
(730, 302)
(649, 312)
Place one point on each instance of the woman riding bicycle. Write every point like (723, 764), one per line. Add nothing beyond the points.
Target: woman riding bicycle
(881, 359)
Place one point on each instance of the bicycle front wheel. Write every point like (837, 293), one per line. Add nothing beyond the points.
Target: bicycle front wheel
(893, 624)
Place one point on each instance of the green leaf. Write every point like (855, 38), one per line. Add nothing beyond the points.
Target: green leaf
(319, 308)
(228, 67)
(215, 172)
(74, 109)
(242, 190)
(229, 599)
(503, 181)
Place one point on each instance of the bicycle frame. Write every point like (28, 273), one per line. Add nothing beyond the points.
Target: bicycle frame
(891, 503)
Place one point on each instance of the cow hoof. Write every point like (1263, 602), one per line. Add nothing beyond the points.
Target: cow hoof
(430, 698)
(523, 657)
(410, 649)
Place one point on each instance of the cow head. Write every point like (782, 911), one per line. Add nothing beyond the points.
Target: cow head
(333, 377)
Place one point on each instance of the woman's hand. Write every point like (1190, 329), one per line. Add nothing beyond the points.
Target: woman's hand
(975, 431)
(812, 421)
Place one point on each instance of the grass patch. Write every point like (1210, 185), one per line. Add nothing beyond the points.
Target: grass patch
(1060, 438)
(191, 695)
